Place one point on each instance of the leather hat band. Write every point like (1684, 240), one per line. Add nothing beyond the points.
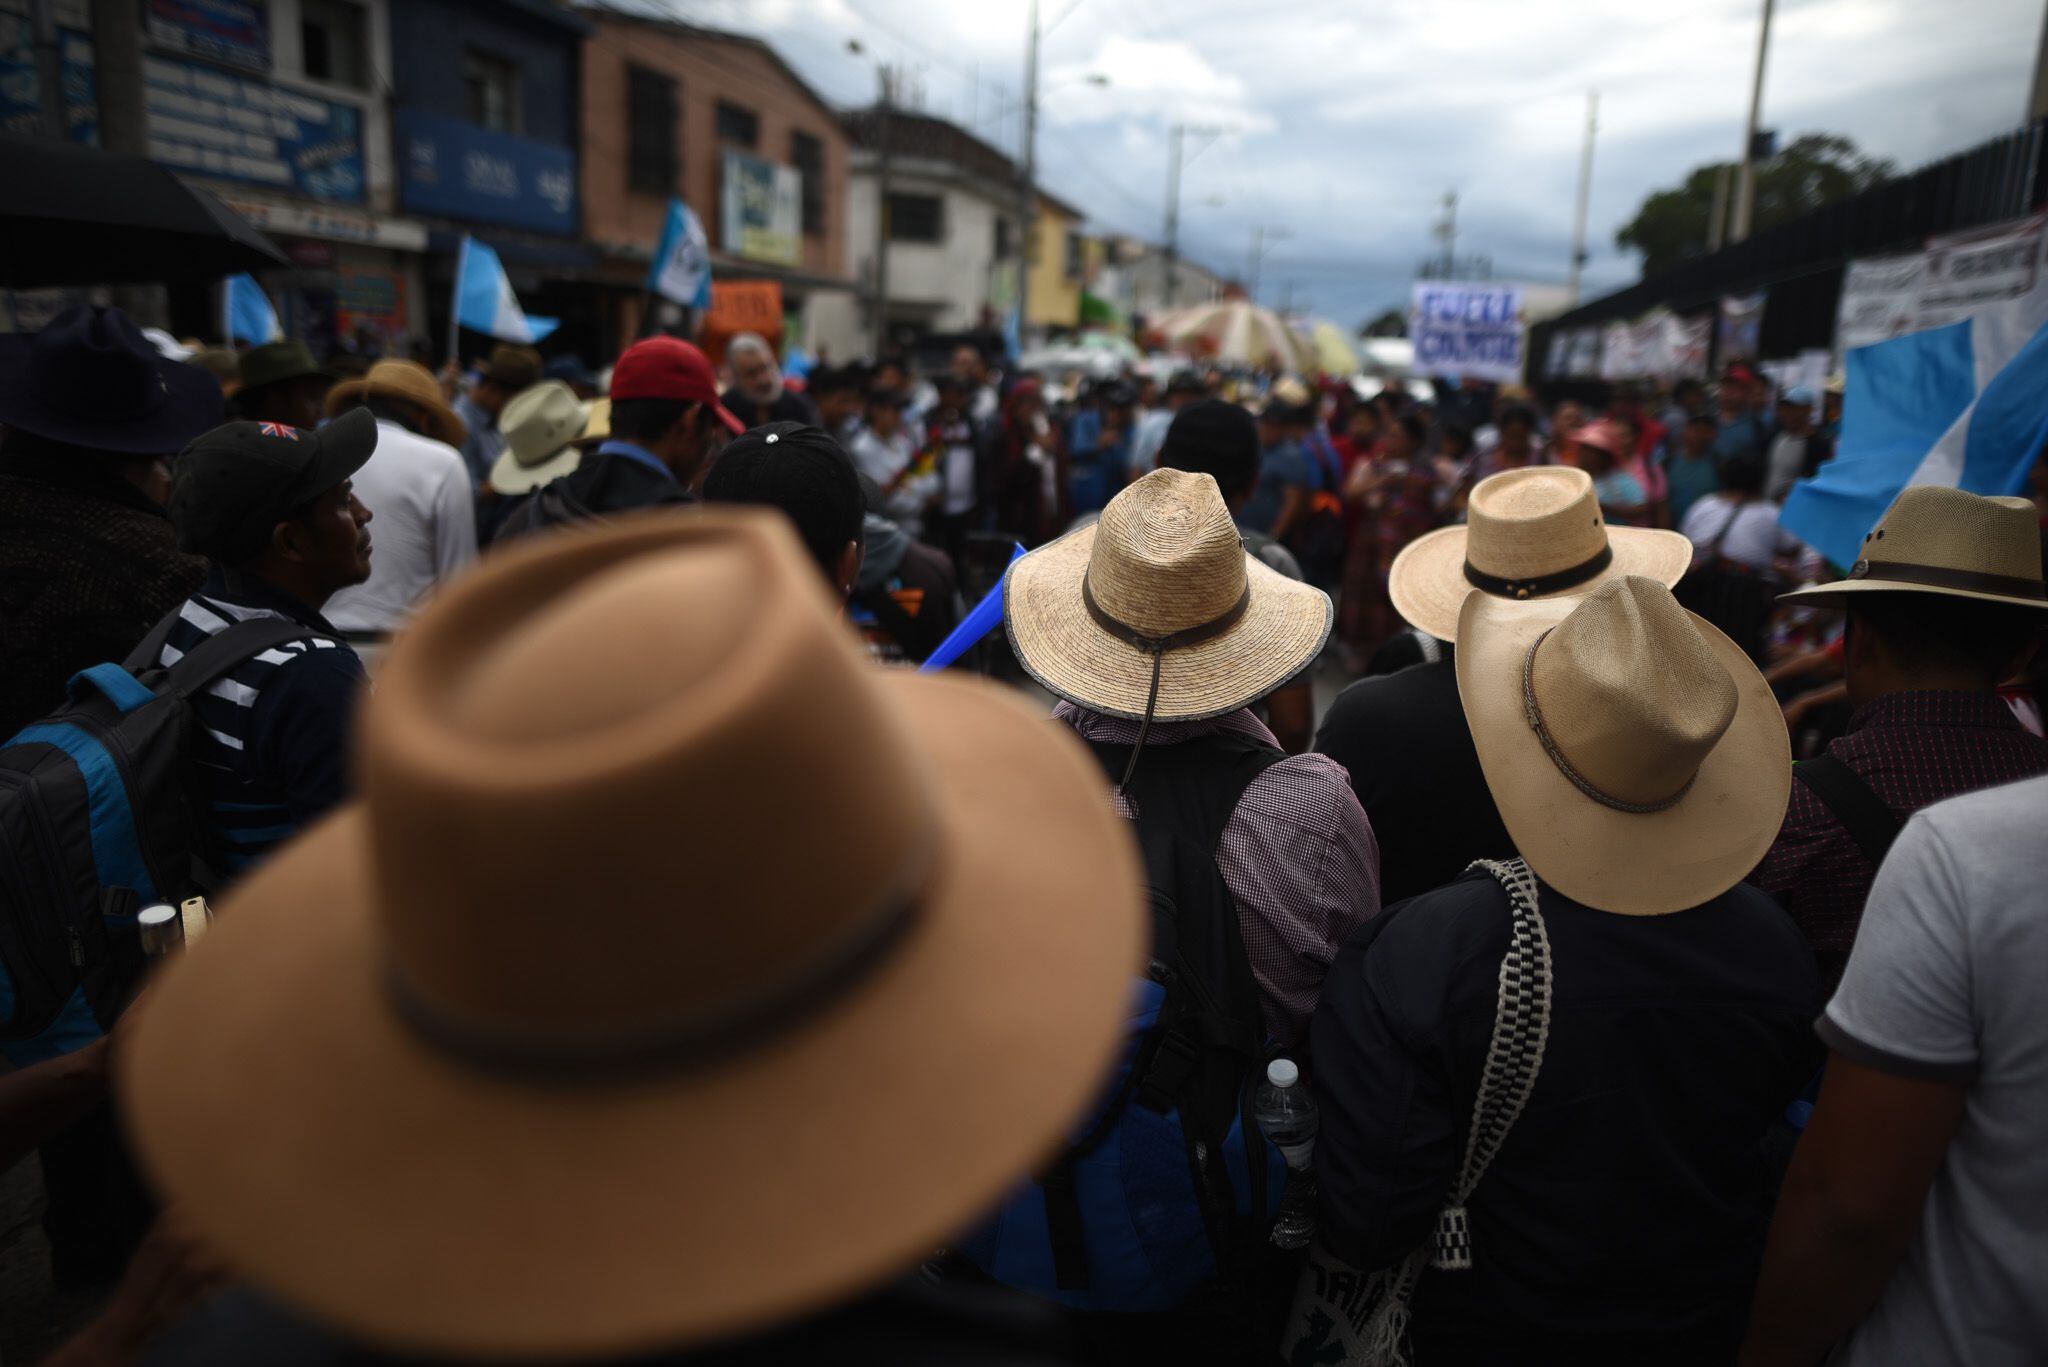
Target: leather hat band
(1541, 584)
(1941, 577)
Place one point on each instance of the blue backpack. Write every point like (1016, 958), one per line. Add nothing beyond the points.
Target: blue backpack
(1168, 1188)
(98, 820)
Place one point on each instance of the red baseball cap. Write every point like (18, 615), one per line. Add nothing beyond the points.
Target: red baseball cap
(669, 368)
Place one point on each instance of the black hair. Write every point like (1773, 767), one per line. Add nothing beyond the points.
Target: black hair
(1214, 438)
(1688, 386)
(646, 420)
(812, 482)
(1702, 420)
(1416, 428)
(1938, 631)
(1521, 413)
(1458, 437)
(841, 380)
(1743, 473)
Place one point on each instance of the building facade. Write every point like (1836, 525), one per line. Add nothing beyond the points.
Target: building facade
(719, 120)
(1058, 265)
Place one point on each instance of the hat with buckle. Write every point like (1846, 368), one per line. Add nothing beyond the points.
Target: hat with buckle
(1535, 532)
(1945, 541)
(675, 972)
(90, 378)
(541, 425)
(1638, 757)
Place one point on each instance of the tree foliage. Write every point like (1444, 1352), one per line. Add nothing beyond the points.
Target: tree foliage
(1392, 323)
(1812, 170)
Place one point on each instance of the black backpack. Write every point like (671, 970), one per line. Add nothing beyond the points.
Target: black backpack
(99, 819)
(1170, 1189)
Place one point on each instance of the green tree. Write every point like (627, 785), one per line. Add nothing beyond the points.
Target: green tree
(1392, 323)
(1812, 170)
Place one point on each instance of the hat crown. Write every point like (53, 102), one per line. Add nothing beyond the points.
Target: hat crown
(1949, 529)
(587, 767)
(1631, 695)
(404, 380)
(540, 421)
(91, 361)
(1167, 556)
(1534, 522)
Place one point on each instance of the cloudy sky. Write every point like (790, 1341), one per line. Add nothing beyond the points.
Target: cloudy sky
(1350, 119)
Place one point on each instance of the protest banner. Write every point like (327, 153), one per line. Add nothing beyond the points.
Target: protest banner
(742, 306)
(1618, 355)
(1585, 354)
(1966, 271)
(1880, 299)
(1742, 326)
(1468, 329)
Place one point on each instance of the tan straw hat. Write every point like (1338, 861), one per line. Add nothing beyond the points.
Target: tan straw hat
(597, 424)
(1637, 756)
(1536, 532)
(539, 424)
(1157, 610)
(1940, 540)
(408, 381)
(676, 972)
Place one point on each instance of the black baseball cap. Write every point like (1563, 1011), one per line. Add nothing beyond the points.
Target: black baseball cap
(230, 486)
(801, 470)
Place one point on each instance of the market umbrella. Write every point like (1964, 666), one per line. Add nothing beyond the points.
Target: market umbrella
(1238, 332)
(79, 216)
(1115, 343)
(1327, 343)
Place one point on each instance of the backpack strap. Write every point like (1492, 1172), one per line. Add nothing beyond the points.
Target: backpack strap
(1870, 822)
(225, 650)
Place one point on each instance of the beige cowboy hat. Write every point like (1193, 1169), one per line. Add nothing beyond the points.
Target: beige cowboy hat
(540, 424)
(597, 424)
(408, 381)
(1945, 541)
(1637, 756)
(1536, 532)
(1156, 610)
(676, 972)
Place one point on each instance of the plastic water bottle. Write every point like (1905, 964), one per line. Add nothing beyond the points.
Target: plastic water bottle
(1287, 1115)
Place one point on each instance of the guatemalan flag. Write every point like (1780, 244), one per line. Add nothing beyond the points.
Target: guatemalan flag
(1964, 406)
(250, 318)
(681, 271)
(484, 301)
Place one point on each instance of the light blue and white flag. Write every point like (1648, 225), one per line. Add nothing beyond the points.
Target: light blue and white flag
(681, 272)
(250, 318)
(484, 301)
(1964, 406)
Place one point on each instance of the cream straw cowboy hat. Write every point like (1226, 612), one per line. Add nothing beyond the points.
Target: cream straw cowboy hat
(408, 381)
(1638, 758)
(539, 424)
(1536, 532)
(676, 972)
(1156, 611)
(1939, 540)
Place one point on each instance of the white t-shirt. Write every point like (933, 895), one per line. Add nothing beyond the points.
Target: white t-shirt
(1945, 982)
(422, 529)
(1787, 463)
(883, 460)
(1752, 536)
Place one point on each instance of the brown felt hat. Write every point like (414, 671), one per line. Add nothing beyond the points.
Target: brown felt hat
(1637, 756)
(1535, 532)
(677, 971)
(1161, 589)
(410, 382)
(1945, 541)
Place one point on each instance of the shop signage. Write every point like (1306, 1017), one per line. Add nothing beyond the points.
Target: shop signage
(232, 32)
(761, 210)
(462, 171)
(216, 123)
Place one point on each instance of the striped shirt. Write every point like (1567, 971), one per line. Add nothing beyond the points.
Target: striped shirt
(274, 732)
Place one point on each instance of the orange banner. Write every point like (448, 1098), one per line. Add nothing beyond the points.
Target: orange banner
(742, 306)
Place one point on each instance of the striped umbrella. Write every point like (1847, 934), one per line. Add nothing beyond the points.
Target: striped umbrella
(1238, 332)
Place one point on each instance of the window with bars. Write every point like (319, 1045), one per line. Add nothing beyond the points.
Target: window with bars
(652, 109)
(490, 87)
(807, 155)
(739, 126)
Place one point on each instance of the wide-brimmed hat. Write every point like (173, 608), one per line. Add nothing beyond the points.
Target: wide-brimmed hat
(1638, 757)
(1940, 540)
(540, 424)
(411, 382)
(597, 423)
(90, 378)
(1157, 610)
(1535, 532)
(676, 971)
(513, 367)
(277, 363)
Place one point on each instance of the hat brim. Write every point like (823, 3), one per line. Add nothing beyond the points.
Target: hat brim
(1427, 583)
(1634, 864)
(1282, 631)
(341, 448)
(193, 404)
(725, 415)
(508, 476)
(442, 423)
(367, 1179)
(1839, 594)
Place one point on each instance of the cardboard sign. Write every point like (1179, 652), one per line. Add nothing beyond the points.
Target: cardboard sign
(742, 306)
(1462, 330)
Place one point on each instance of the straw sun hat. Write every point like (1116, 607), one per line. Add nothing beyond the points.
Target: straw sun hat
(1530, 533)
(1638, 758)
(408, 381)
(539, 424)
(1947, 542)
(1157, 611)
(676, 971)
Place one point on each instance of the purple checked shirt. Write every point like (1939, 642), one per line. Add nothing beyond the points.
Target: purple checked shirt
(1298, 857)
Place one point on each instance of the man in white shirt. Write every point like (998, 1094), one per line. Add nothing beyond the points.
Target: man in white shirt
(418, 486)
(1734, 524)
(887, 452)
(1910, 1229)
(1792, 446)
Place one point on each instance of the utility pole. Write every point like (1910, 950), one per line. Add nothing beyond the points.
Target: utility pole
(1585, 195)
(1717, 229)
(1174, 164)
(885, 117)
(1745, 181)
(2037, 98)
(1259, 249)
(1446, 232)
(1027, 185)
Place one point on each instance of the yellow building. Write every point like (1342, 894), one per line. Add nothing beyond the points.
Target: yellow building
(1057, 266)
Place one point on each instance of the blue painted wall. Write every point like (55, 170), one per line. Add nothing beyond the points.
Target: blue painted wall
(427, 42)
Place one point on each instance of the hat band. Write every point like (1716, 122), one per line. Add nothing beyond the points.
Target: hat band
(1941, 577)
(1156, 647)
(1541, 584)
(1564, 766)
(693, 1043)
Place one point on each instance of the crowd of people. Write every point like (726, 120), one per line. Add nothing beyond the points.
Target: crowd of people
(618, 959)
